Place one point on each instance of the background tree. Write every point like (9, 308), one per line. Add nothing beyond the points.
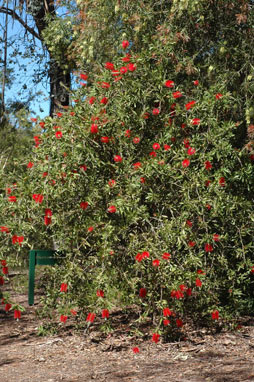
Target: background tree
(42, 12)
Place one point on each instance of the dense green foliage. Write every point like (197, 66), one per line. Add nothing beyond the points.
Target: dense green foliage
(145, 183)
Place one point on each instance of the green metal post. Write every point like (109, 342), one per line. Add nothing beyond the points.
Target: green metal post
(32, 261)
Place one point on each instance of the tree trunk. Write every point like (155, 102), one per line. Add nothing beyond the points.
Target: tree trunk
(58, 94)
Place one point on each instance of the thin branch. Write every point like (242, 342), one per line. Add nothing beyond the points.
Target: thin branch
(19, 19)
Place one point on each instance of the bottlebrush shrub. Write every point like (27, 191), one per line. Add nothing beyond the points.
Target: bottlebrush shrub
(176, 218)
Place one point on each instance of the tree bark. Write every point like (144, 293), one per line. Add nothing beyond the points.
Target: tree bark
(58, 94)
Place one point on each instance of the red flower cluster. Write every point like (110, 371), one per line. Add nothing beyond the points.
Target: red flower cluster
(38, 198)
(63, 287)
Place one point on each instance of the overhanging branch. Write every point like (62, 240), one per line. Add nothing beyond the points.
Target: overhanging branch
(19, 19)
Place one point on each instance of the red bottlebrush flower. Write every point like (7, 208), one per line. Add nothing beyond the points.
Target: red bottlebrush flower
(42, 124)
(127, 133)
(17, 314)
(8, 190)
(142, 179)
(63, 287)
(185, 163)
(189, 105)
(104, 139)
(189, 223)
(33, 119)
(208, 165)
(84, 205)
(146, 115)
(112, 209)
(137, 165)
(177, 94)
(216, 237)
(118, 158)
(188, 292)
(152, 154)
(100, 293)
(3, 263)
(156, 111)
(195, 121)
(4, 229)
(14, 239)
(198, 283)
(125, 44)
(111, 183)
(208, 247)
(91, 100)
(83, 76)
(208, 206)
(182, 287)
(126, 58)
(59, 114)
(196, 82)
(167, 312)
(222, 181)
(1, 280)
(155, 337)
(179, 295)
(45, 174)
(186, 143)
(191, 244)
(139, 257)
(166, 322)
(167, 147)
(207, 183)
(169, 84)
(218, 95)
(63, 318)
(156, 263)
(115, 73)
(94, 129)
(123, 70)
(47, 220)
(131, 67)
(104, 101)
(48, 212)
(90, 317)
(30, 165)
(7, 307)
(166, 256)
(142, 292)
(72, 113)
(83, 167)
(136, 140)
(105, 313)
(252, 270)
(191, 151)
(90, 229)
(38, 198)
(200, 272)
(146, 254)
(20, 239)
(215, 315)
(58, 134)
(179, 323)
(135, 350)
(105, 85)
(156, 146)
(12, 198)
(73, 312)
(109, 66)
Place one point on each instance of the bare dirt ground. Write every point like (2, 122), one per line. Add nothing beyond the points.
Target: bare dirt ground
(93, 356)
